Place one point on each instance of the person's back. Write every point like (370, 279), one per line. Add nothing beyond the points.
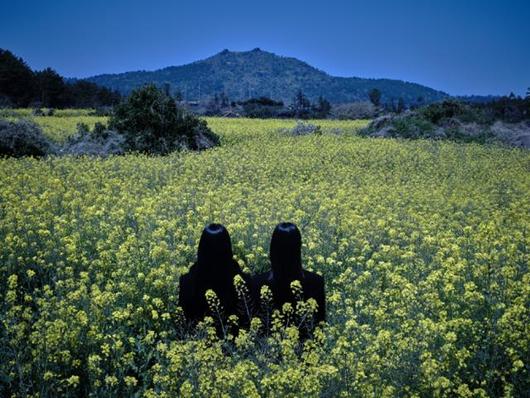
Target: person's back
(312, 287)
(286, 267)
(215, 270)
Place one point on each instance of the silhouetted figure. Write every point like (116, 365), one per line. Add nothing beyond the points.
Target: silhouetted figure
(286, 266)
(215, 269)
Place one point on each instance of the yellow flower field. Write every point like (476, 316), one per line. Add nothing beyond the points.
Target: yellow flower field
(424, 247)
(61, 125)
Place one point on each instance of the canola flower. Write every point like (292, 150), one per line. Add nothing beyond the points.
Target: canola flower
(423, 246)
(61, 125)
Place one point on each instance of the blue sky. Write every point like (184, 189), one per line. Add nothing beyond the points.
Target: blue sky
(461, 47)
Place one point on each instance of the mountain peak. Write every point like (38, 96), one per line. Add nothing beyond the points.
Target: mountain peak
(255, 73)
(254, 51)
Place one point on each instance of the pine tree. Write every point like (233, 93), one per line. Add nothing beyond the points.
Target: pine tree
(400, 105)
(301, 105)
(17, 80)
(52, 88)
(375, 96)
(322, 108)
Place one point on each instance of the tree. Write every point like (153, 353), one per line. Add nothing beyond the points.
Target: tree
(167, 88)
(17, 80)
(400, 105)
(178, 96)
(262, 107)
(528, 93)
(85, 94)
(23, 138)
(152, 123)
(213, 107)
(322, 109)
(224, 100)
(20, 86)
(355, 110)
(375, 96)
(52, 88)
(301, 105)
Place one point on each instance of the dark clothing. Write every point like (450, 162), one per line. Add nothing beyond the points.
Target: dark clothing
(312, 285)
(194, 285)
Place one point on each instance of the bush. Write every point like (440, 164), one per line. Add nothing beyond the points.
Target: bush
(448, 120)
(43, 112)
(413, 127)
(262, 108)
(99, 142)
(23, 138)
(436, 113)
(303, 128)
(355, 110)
(102, 111)
(152, 123)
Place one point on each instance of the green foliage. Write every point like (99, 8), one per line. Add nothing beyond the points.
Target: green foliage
(304, 128)
(218, 104)
(21, 87)
(301, 106)
(435, 113)
(400, 105)
(458, 121)
(413, 127)
(507, 109)
(322, 108)
(375, 96)
(99, 142)
(152, 123)
(354, 110)
(262, 108)
(52, 88)
(17, 83)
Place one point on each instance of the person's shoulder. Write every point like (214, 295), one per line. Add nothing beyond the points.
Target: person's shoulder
(262, 278)
(189, 276)
(313, 279)
(235, 267)
(184, 277)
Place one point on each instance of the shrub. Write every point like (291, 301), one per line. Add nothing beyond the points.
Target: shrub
(436, 113)
(355, 110)
(152, 123)
(303, 128)
(99, 142)
(37, 112)
(262, 108)
(413, 127)
(102, 111)
(23, 138)
(375, 96)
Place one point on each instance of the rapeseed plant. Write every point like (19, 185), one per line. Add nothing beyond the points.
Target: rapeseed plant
(423, 246)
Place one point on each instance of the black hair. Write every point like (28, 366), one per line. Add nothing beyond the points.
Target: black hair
(215, 246)
(215, 264)
(286, 253)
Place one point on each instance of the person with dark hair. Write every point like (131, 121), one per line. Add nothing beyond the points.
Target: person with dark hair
(286, 266)
(215, 270)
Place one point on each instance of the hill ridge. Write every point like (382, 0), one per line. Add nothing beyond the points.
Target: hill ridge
(255, 73)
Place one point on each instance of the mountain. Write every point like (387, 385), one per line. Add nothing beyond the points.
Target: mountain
(242, 75)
